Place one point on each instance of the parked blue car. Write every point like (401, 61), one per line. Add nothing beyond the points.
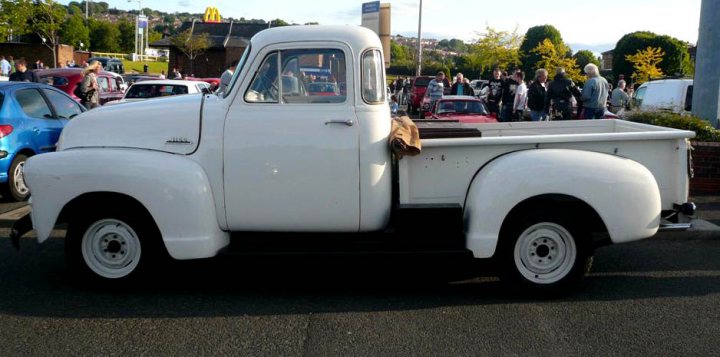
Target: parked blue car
(32, 115)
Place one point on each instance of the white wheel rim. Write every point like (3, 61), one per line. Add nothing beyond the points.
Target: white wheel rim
(545, 253)
(111, 248)
(19, 182)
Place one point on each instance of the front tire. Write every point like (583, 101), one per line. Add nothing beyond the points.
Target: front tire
(111, 245)
(15, 189)
(545, 254)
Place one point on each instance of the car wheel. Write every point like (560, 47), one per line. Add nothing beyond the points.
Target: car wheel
(16, 189)
(545, 254)
(111, 245)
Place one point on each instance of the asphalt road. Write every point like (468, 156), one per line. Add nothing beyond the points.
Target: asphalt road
(655, 297)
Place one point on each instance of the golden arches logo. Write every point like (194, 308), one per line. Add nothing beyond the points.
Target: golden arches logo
(212, 15)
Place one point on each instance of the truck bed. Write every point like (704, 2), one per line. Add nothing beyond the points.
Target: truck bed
(447, 164)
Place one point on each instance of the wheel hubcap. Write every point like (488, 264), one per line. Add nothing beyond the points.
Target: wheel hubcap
(19, 182)
(111, 248)
(545, 253)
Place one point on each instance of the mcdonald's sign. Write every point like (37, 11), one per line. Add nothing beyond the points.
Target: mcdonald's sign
(212, 15)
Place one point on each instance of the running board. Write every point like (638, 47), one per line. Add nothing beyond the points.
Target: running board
(674, 227)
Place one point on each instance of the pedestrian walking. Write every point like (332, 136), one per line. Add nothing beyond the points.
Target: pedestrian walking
(22, 74)
(558, 102)
(4, 67)
(509, 89)
(460, 87)
(619, 97)
(594, 93)
(520, 101)
(536, 96)
(436, 88)
(495, 93)
(226, 77)
(89, 88)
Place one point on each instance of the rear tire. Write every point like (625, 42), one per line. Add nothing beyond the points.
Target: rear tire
(111, 245)
(545, 254)
(15, 189)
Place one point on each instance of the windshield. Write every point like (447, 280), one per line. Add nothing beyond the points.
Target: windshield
(461, 107)
(238, 69)
(422, 81)
(145, 91)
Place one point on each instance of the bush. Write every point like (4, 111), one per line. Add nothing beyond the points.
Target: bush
(703, 129)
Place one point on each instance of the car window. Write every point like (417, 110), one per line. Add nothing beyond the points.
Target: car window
(33, 104)
(103, 83)
(54, 81)
(264, 87)
(65, 107)
(112, 84)
(2, 99)
(639, 95)
(373, 81)
(316, 75)
(421, 82)
(689, 99)
(145, 91)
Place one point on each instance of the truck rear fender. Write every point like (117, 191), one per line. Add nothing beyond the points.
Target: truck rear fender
(172, 188)
(621, 192)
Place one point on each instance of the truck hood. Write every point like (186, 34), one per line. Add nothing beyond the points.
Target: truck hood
(166, 124)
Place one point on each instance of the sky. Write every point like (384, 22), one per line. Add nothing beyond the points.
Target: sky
(597, 27)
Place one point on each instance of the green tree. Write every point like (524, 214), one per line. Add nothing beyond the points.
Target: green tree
(675, 61)
(14, 15)
(583, 57)
(534, 37)
(495, 49)
(104, 36)
(191, 45)
(47, 18)
(127, 38)
(73, 31)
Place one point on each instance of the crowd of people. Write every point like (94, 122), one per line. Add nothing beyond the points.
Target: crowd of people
(513, 98)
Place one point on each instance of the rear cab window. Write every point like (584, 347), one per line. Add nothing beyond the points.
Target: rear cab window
(373, 77)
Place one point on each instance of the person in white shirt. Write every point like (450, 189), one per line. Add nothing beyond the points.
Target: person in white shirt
(520, 96)
(226, 77)
(4, 67)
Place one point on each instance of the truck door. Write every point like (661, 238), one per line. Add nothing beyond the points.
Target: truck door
(291, 156)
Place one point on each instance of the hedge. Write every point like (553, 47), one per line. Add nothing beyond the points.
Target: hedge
(703, 129)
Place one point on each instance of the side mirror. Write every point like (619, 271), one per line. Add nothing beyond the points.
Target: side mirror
(206, 90)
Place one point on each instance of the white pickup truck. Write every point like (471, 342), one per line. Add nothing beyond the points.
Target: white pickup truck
(270, 167)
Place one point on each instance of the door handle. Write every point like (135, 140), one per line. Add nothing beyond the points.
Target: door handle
(345, 122)
(36, 130)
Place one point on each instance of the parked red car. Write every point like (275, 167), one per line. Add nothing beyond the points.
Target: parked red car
(464, 109)
(417, 92)
(66, 79)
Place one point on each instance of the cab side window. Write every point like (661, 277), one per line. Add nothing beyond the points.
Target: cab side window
(265, 87)
(314, 76)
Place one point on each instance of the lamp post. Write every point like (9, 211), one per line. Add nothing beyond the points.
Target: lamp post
(138, 49)
(419, 43)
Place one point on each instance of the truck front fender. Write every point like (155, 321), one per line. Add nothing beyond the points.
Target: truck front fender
(173, 188)
(623, 193)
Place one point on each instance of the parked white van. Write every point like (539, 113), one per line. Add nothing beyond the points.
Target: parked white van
(673, 95)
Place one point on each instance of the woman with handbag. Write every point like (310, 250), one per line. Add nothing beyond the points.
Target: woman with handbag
(89, 87)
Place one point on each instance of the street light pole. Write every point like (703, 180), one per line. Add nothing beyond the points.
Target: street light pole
(138, 49)
(419, 43)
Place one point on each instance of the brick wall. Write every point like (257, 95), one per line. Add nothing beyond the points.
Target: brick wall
(35, 51)
(211, 64)
(706, 164)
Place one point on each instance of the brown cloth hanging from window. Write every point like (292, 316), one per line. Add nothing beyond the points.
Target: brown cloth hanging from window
(404, 137)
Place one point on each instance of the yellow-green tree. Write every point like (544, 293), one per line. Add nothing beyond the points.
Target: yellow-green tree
(645, 62)
(495, 49)
(553, 56)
